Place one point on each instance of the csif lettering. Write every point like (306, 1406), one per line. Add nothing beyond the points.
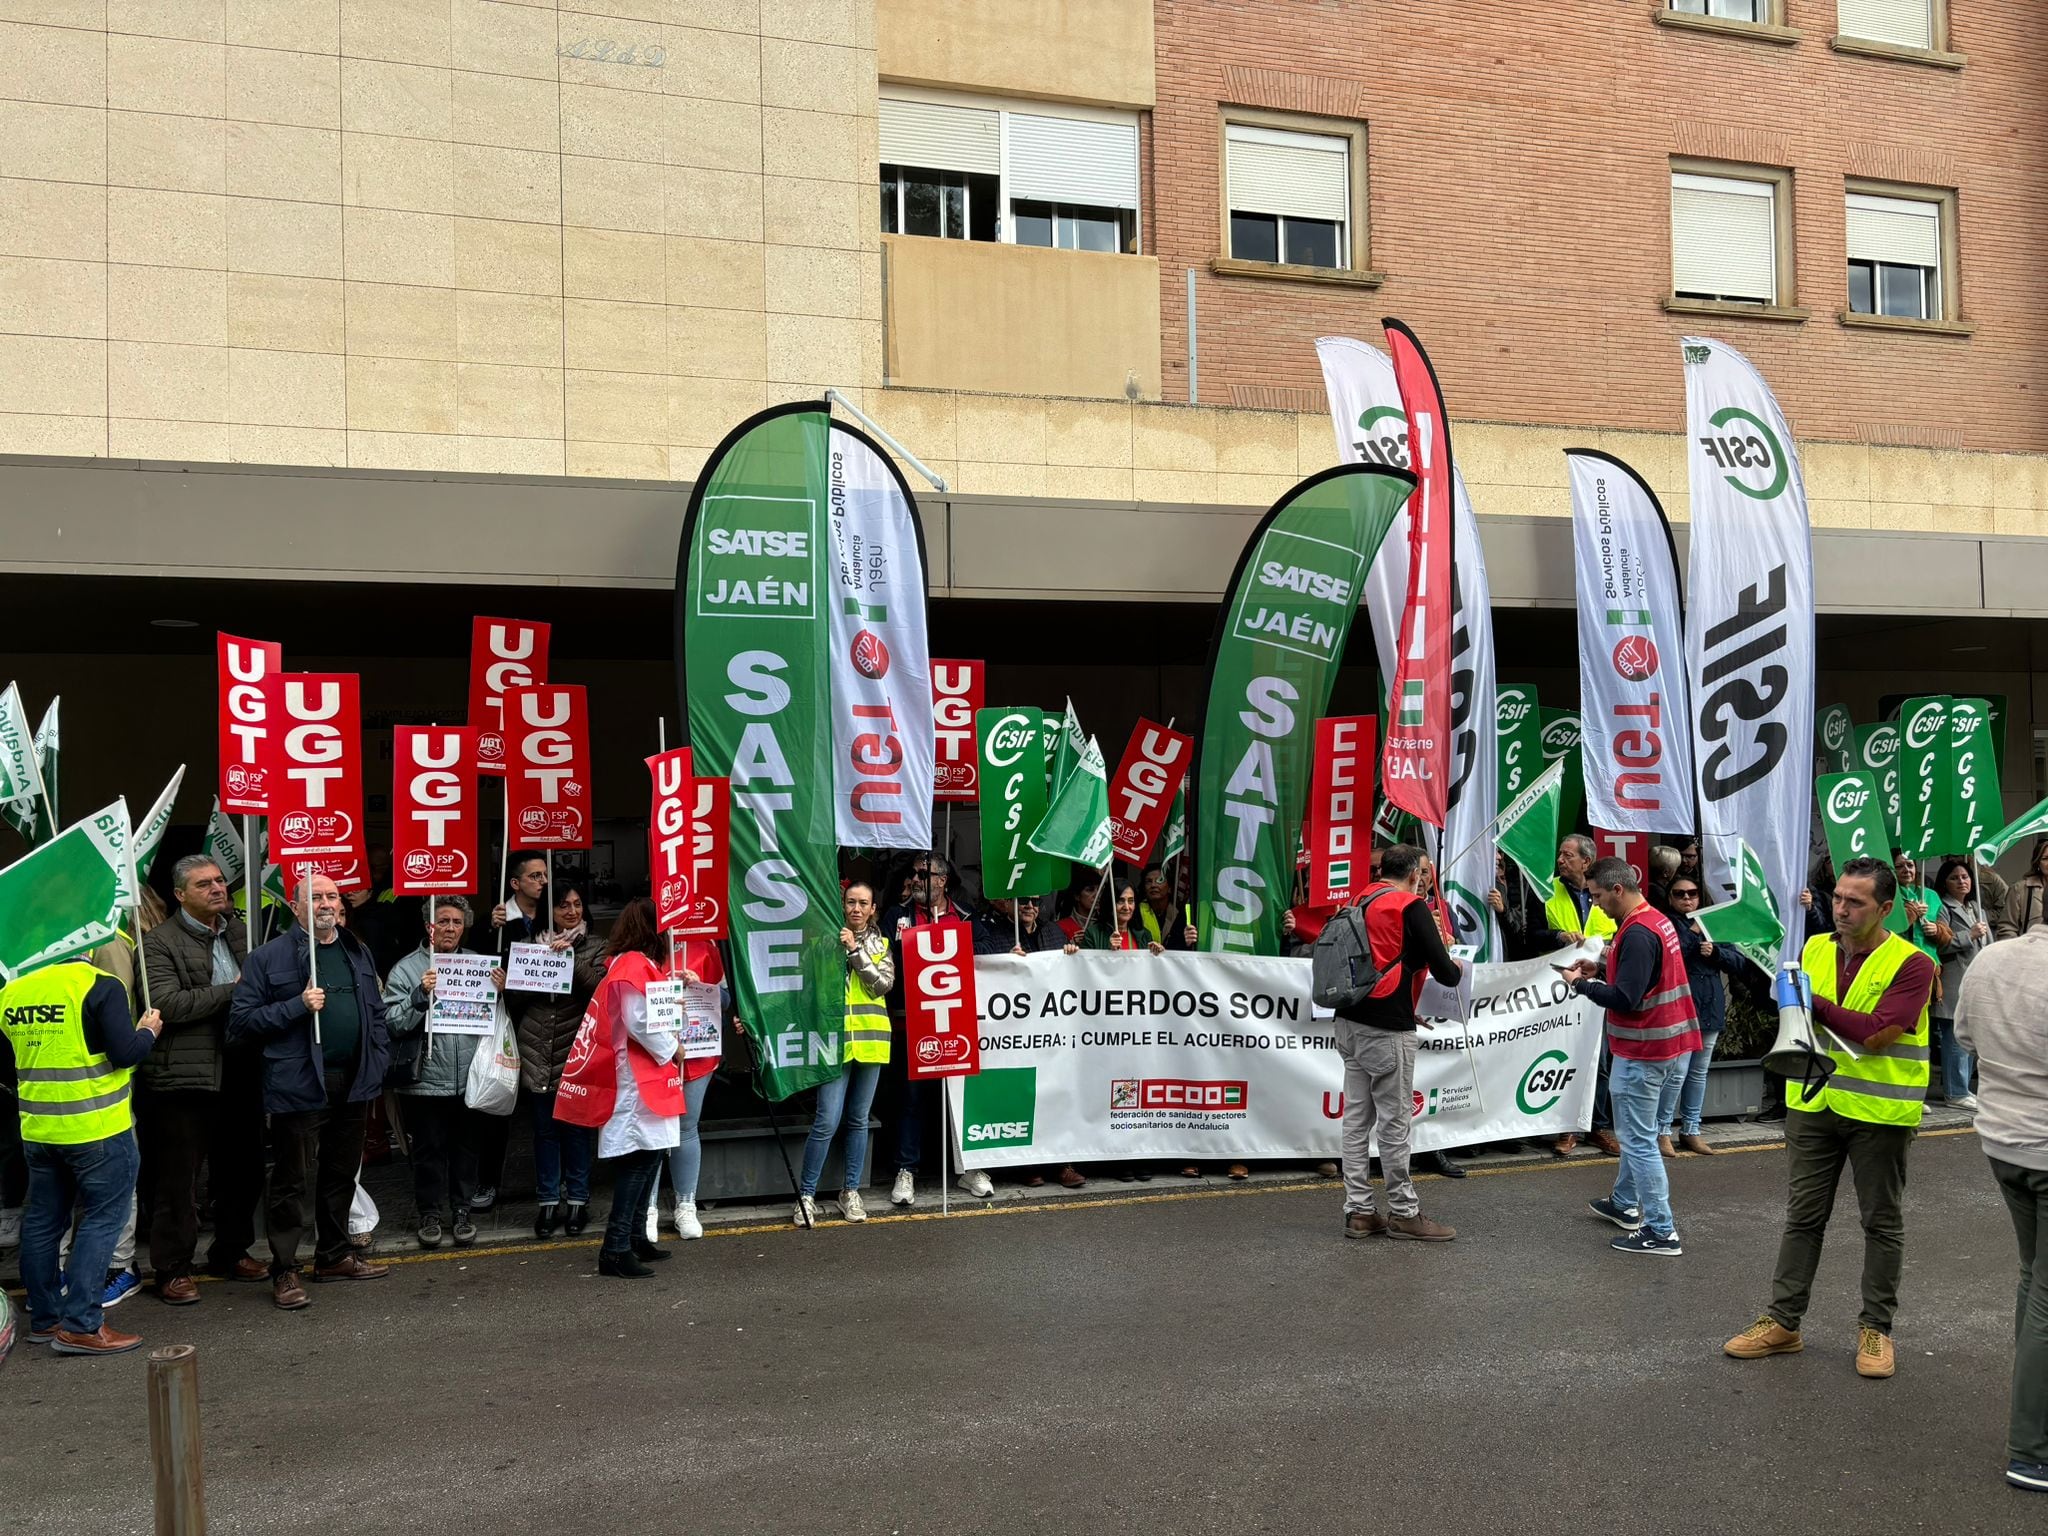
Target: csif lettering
(1745, 683)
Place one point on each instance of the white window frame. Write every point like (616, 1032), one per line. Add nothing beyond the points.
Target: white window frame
(1937, 19)
(1716, 10)
(1319, 143)
(1005, 109)
(1730, 179)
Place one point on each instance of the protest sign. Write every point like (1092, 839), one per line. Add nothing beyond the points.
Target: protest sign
(316, 801)
(668, 836)
(1340, 795)
(938, 1000)
(547, 766)
(1013, 801)
(465, 999)
(1155, 762)
(503, 654)
(1111, 1056)
(539, 968)
(957, 696)
(247, 671)
(433, 810)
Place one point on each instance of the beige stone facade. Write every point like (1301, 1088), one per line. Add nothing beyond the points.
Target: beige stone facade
(502, 236)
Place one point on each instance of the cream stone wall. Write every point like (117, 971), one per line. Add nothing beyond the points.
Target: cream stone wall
(421, 234)
(1098, 51)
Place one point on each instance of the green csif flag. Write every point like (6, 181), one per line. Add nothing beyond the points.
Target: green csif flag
(754, 584)
(149, 832)
(37, 820)
(1528, 828)
(68, 896)
(1012, 769)
(1065, 742)
(1925, 775)
(1833, 730)
(21, 783)
(1561, 743)
(1175, 840)
(2033, 824)
(1518, 738)
(1076, 825)
(223, 845)
(1749, 921)
(1877, 754)
(1975, 806)
(1280, 638)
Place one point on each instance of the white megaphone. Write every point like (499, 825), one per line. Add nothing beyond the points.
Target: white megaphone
(1797, 1052)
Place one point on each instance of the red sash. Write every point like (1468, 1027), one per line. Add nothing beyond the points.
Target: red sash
(590, 1078)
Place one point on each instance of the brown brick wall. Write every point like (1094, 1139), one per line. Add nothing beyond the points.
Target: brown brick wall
(1519, 163)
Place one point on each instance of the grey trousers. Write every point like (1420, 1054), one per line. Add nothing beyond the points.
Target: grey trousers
(1379, 1083)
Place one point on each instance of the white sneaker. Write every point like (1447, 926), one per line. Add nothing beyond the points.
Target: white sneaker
(10, 1227)
(806, 1212)
(976, 1183)
(687, 1224)
(904, 1190)
(1967, 1103)
(850, 1206)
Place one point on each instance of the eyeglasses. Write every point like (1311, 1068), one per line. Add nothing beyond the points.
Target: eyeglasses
(1679, 892)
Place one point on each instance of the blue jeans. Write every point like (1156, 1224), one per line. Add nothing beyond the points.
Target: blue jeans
(847, 1097)
(1637, 1088)
(686, 1157)
(1958, 1066)
(561, 1151)
(1692, 1098)
(1603, 1107)
(98, 1179)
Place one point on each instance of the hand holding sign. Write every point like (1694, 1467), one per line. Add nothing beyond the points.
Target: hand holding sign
(539, 968)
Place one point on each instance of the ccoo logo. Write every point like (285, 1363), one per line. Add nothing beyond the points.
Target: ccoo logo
(1635, 657)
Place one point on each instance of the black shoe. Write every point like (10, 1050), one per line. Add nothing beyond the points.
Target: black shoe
(547, 1219)
(578, 1218)
(623, 1265)
(649, 1253)
(1444, 1167)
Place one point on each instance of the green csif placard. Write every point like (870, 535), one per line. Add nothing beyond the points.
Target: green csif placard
(1924, 776)
(1013, 768)
(1877, 754)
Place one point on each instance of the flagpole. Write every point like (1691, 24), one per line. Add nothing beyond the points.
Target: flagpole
(251, 875)
(141, 970)
(312, 946)
(505, 863)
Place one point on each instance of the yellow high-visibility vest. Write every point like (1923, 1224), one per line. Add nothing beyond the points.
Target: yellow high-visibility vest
(1883, 1087)
(69, 1094)
(1563, 917)
(867, 1013)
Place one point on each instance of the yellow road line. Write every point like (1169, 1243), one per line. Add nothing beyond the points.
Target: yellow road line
(1050, 1207)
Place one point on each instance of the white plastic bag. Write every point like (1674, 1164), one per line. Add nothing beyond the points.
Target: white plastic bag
(493, 1086)
(362, 1213)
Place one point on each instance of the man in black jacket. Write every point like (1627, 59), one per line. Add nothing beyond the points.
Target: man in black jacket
(204, 1103)
(1006, 927)
(1376, 1039)
(325, 1048)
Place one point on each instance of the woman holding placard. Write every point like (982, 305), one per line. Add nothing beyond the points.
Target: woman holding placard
(846, 1100)
(547, 1023)
(624, 1076)
(442, 1129)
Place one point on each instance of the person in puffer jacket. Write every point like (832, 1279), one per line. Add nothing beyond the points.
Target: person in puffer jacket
(442, 1128)
(547, 1023)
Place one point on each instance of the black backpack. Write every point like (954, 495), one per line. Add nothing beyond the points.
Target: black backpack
(1341, 969)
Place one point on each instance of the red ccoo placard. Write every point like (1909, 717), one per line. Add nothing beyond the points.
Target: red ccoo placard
(433, 810)
(1340, 798)
(248, 672)
(1141, 794)
(503, 654)
(957, 688)
(940, 1012)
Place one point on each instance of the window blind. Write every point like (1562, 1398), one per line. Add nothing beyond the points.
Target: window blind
(1895, 229)
(939, 138)
(1294, 175)
(1073, 160)
(1724, 237)
(1909, 23)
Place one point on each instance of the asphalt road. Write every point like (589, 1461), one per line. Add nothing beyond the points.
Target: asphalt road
(1221, 1361)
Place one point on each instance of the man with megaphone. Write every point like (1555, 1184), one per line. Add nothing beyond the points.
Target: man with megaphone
(1870, 991)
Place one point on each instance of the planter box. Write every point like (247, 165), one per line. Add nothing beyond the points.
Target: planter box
(1734, 1088)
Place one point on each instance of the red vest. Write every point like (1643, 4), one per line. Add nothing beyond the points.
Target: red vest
(1667, 1025)
(1384, 921)
(590, 1078)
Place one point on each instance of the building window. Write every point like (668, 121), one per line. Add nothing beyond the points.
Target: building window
(1726, 238)
(961, 170)
(1896, 247)
(1725, 10)
(1902, 23)
(1288, 196)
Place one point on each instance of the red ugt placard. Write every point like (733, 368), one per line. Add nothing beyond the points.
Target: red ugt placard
(248, 672)
(668, 836)
(706, 870)
(433, 810)
(1632, 848)
(940, 1012)
(316, 806)
(1141, 794)
(1340, 809)
(503, 654)
(957, 688)
(547, 765)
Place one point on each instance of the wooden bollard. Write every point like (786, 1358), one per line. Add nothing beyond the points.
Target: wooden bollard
(174, 1441)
